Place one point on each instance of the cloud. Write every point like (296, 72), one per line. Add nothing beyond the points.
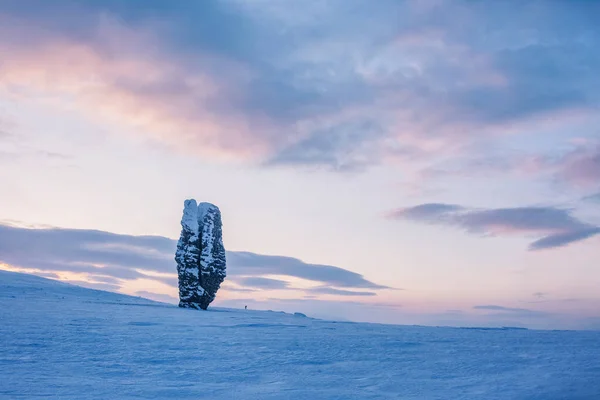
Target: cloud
(49, 275)
(563, 239)
(107, 258)
(499, 308)
(261, 283)
(7, 125)
(325, 87)
(245, 263)
(240, 290)
(339, 292)
(105, 279)
(557, 227)
(595, 198)
(571, 163)
(157, 296)
(426, 212)
(581, 166)
(252, 284)
(96, 285)
(346, 147)
(523, 312)
(577, 166)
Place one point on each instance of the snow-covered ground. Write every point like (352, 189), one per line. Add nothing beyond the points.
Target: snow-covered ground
(66, 342)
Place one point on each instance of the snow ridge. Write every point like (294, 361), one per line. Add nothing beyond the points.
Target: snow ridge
(66, 342)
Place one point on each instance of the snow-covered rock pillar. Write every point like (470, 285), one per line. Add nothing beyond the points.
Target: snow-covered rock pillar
(200, 256)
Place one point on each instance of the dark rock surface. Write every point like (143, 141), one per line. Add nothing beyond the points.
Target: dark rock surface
(200, 256)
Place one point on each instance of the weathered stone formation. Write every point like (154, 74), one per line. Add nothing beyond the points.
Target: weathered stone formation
(200, 255)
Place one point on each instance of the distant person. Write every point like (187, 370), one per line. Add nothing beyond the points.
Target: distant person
(245, 307)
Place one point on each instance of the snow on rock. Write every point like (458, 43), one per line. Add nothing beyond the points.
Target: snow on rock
(200, 256)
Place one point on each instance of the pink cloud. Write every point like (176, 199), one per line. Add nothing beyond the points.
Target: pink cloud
(582, 166)
(418, 88)
(135, 84)
(554, 227)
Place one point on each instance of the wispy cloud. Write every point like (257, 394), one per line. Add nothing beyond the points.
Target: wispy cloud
(339, 292)
(503, 311)
(593, 198)
(96, 285)
(581, 166)
(157, 297)
(262, 283)
(6, 126)
(556, 227)
(245, 263)
(108, 259)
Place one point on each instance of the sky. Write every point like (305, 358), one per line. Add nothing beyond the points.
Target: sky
(413, 162)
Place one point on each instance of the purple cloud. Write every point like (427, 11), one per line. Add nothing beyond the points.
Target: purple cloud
(556, 227)
(262, 283)
(563, 239)
(157, 297)
(582, 166)
(426, 212)
(280, 88)
(502, 311)
(338, 292)
(593, 198)
(110, 257)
